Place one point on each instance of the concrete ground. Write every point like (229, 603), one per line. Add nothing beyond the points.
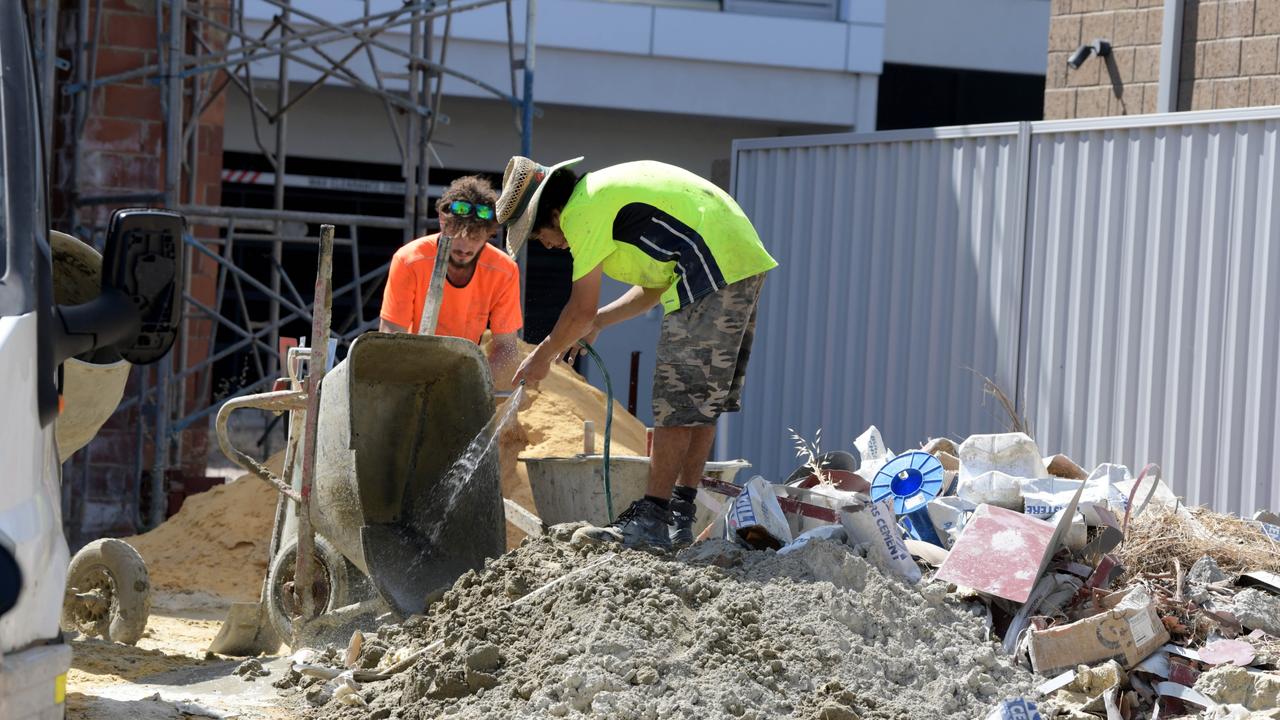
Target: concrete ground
(168, 673)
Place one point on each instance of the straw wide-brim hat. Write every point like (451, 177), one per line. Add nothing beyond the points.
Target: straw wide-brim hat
(522, 184)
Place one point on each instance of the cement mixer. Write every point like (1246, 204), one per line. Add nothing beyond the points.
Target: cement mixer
(394, 416)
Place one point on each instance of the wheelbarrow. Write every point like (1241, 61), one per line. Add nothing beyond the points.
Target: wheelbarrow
(394, 417)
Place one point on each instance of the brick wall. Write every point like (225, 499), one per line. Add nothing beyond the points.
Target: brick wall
(1125, 83)
(1228, 56)
(121, 150)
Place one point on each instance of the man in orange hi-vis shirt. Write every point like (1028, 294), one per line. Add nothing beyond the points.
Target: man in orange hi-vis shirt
(483, 284)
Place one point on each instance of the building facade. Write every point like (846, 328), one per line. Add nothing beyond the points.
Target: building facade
(1216, 54)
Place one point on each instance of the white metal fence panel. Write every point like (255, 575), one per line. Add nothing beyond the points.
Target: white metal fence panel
(1121, 274)
(880, 312)
(1151, 323)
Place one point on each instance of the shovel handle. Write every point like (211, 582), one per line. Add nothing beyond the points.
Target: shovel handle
(281, 401)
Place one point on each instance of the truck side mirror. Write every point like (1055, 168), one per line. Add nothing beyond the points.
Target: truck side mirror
(140, 307)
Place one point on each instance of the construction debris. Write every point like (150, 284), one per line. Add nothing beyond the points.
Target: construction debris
(936, 601)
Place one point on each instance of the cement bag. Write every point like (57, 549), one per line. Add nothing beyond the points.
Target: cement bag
(992, 488)
(824, 532)
(1077, 535)
(1013, 454)
(1045, 497)
(875, 526)
(873, 451)
(755, 518)
(1161, 496)
(949, 515)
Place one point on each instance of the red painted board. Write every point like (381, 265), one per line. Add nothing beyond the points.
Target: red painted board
(1000, 552)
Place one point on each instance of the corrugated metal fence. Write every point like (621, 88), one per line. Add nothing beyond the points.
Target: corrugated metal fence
(1119, 278)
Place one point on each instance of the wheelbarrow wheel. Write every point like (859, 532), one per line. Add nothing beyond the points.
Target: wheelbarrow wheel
(108, 592)
(330, 587)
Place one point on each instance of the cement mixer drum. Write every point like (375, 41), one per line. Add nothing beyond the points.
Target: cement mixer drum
(395, 415)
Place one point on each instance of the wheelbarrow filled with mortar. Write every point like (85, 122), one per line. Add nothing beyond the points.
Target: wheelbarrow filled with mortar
(392, 525)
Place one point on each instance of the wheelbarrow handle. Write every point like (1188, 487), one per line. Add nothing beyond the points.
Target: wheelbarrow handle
(280, 401)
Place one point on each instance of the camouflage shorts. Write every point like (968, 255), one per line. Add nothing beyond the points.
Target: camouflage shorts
(702, 356)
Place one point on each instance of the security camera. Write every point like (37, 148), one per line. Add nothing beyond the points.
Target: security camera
(1101, 48)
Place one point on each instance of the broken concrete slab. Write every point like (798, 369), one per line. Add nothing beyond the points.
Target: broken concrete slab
(1206, 571)
(1231, 685)
(1256, 609)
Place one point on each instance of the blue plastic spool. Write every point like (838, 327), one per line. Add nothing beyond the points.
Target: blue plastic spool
(910, 481)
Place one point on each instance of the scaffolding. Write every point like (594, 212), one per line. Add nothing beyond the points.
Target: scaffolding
(205, 48)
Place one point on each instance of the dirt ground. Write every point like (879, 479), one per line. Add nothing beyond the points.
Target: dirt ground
(169, 667)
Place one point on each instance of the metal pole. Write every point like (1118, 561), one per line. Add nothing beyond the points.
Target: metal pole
(172, 189)
(526, 122)
(1170, 54)
(423, 77)
(415, 123)
(315, 375)
(530, 54)
(281, 154)
(435, 289)
(173, 106)
(138, 449)
(48, 70)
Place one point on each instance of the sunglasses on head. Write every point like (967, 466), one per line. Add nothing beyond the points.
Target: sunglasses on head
(462, 208)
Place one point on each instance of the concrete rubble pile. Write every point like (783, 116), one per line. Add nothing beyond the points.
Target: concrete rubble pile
(716, 631)
(955, 581)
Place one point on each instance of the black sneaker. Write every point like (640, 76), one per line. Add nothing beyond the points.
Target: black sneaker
(683, 515)
(643, 524)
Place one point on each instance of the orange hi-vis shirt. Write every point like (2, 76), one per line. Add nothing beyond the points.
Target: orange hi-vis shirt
(491, 300)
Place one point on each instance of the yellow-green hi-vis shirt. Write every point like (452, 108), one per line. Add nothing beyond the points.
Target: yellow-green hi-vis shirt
(658, 226)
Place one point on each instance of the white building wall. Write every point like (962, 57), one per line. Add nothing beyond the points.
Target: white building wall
(995, 35)
(345, 124)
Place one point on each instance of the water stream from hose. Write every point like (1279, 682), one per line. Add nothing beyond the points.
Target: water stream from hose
(460, 473)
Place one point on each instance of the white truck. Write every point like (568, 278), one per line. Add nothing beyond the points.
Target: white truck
(133, 316)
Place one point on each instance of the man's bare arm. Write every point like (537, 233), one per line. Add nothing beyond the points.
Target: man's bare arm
(635, 301)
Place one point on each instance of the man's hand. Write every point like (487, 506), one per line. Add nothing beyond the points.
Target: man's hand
(532, 370)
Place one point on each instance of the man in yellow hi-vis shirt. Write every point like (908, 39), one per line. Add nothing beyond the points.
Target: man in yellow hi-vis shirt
(679, 240)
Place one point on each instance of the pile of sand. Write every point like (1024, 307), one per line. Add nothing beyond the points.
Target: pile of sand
(217, 543)
(714, 632)
(550, 425)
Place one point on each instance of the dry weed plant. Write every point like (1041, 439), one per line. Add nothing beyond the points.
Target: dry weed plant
(809, 452)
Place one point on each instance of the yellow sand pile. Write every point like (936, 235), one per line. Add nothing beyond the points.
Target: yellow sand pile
(217, 543)
(550, 425)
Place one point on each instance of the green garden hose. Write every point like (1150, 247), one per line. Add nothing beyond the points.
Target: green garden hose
(608, 423)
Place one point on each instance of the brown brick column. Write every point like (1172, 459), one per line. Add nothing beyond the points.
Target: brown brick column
(122, 151)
